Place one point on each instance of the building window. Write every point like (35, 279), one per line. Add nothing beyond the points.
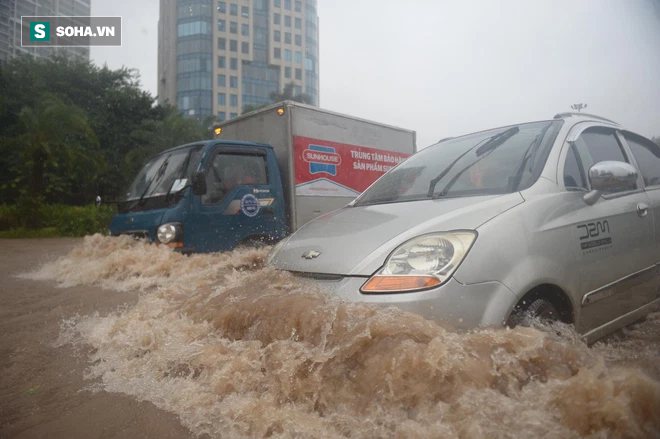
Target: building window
(222, 116)
(309, 64)
(297, 90)
(277, 19)
(222, 99)
(233, 64)
(233, 27)
(245, 11)
(245, 30)
(221, 81)
(233, 100)
(287, 37)
(222, 25)
(287, 55)
(233, 81)
(298, 23)
(233, 115)
(277, 3)
(287, 20)
(222, 62)
(287, 5)
(278, 53)
(222, 7)
(233, 9)
(233, 46)
(245, 47)
(299, 74)
(298, 6)
(299, 57)
(298, 40)
(277, 36)
(222, 44)
(287, 72)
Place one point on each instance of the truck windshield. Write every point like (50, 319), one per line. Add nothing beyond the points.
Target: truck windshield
(164, 174)
(497, 161)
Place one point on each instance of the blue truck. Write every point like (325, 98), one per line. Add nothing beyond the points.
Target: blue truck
(264, 175)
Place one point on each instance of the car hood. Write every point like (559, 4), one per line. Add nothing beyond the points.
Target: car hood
(355, 241)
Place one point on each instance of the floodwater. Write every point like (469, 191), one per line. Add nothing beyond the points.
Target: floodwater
(235, 350)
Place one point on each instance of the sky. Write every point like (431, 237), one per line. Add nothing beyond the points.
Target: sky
(445, 67)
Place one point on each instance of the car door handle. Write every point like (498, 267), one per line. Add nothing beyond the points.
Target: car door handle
(642, 210)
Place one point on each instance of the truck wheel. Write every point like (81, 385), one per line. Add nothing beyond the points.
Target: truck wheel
(542, 309)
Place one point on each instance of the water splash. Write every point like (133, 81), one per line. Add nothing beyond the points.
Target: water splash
(238, 350)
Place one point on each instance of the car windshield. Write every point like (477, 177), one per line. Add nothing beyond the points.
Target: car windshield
(497, 161)
(165, 173)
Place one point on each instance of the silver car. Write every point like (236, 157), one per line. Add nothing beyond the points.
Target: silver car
(556, 219)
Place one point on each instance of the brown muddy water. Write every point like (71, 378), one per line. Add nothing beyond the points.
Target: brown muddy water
(234, 350)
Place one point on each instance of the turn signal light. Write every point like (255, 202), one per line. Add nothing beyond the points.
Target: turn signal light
(218, 131)
(175, 244)
(280, 111)
(393, 284)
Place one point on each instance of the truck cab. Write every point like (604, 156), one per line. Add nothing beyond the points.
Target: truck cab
(206, 196)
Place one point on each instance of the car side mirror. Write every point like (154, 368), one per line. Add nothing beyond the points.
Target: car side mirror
(610, 176)
(198, 183)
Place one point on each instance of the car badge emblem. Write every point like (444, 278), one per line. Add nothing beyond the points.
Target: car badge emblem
(311, 254)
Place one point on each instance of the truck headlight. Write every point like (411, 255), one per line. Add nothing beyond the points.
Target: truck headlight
(421, 263)
(170, 234)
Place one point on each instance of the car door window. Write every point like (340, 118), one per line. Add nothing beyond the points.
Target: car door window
(574, 173)
(226, 171)
(647, 155)
(597, 145)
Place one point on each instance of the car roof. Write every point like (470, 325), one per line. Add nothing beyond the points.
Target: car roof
(583, 117)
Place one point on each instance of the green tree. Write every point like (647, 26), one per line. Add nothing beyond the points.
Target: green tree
(51, 130)
(287, 94)
(115, 107)
(154, 136)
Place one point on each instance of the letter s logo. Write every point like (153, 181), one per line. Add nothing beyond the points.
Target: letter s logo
(40, 31)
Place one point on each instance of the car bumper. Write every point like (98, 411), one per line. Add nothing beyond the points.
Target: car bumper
(486, 304)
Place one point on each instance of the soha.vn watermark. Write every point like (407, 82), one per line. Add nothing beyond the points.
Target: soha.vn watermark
(70, 31)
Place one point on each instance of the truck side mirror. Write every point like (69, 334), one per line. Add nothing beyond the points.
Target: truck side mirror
(198, 183)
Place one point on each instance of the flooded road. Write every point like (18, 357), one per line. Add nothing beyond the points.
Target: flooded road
(229, 349)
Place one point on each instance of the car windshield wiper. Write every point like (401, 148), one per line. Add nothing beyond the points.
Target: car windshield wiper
(530, 153)
(492, 143)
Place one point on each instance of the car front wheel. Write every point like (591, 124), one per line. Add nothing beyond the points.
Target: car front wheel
(540, 309)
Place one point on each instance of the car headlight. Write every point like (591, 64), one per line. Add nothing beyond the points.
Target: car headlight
(421, 263)
(275, 249)
(170, 233)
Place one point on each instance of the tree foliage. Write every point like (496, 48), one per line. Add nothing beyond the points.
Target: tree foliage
(287, 94)
(70, 129)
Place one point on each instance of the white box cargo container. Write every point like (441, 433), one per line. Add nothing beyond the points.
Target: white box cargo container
(325, 158)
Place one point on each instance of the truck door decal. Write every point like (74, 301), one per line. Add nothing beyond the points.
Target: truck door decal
(331, 169)
(234, 207)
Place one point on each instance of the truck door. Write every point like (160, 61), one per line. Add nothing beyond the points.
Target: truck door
(237, 203)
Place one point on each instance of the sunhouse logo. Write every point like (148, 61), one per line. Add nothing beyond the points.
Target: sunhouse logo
(63, 31)
(322, 159)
